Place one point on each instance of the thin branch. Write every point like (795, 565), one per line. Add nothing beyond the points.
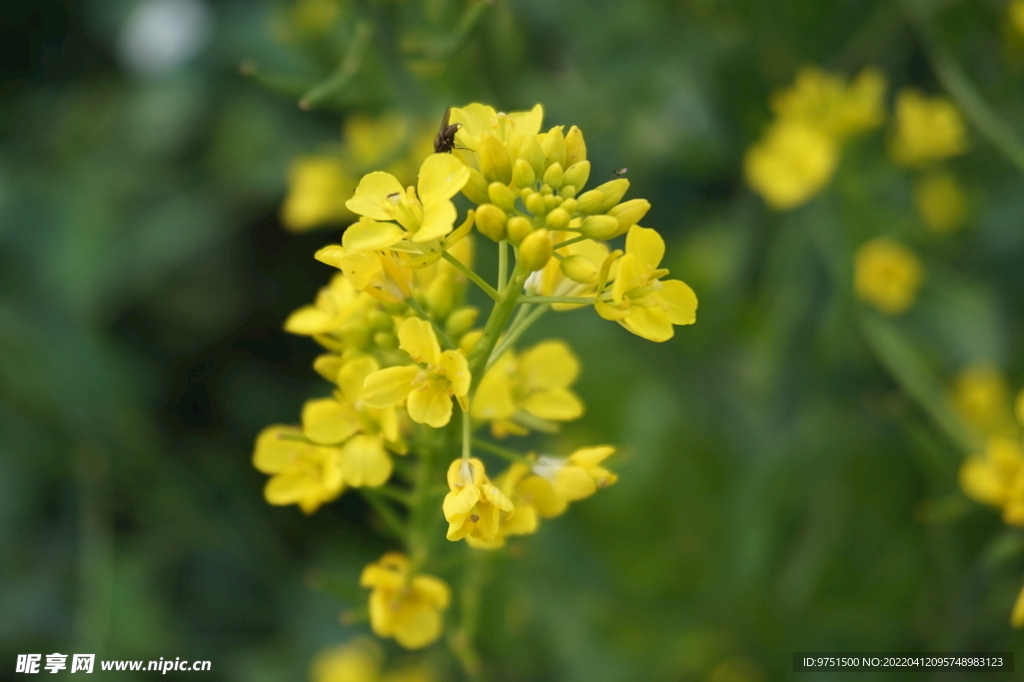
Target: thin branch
(476, 279)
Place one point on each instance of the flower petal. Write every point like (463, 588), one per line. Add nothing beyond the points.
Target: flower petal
(493, 397)
(353, 375)
(370, 235)
(309, 320)
(679, 301)
(647, 245)
(279, 448)
(573, 483)
(442, 176)
(389, 386)
(373, 193)
(327, 421)
(438, 220)
(549, 364)
(456, 370)
(649, 323)
(558, 404)
(430, 404)
(365, 462)
(417, 338)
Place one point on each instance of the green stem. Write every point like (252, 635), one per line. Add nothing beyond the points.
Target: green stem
(502, 265)
(422, 510)
(517, 329)
(567, 242)
(386, 512)
(960, 88)
(504, 453)
(467, 435)
(476, 279)
(500, 313)
(441, 335)
(581, 300)
(346, 70)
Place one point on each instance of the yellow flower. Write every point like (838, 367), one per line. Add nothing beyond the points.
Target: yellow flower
(638, 299)
(422, 215)
(406, 607)
(579, 475)
(391, 141)
(317, 187)
(362, 434)
(793, 162)
(1015, 10)
(478, 121)
(887, 275)
(356, 661)
(427, 387)
(825, 101)
(338, 309)
(941, 202)
(302, 473)
(533, 498)
(474, 505)
(981, 397)
(927, 129)
(516, 391)
(996, 477)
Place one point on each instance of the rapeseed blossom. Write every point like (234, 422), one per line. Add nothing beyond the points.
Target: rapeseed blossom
(404, 605)
(928, 129)
(800, 151)
(887, 275)
(403, 346)
(996, 477)
(981, 397)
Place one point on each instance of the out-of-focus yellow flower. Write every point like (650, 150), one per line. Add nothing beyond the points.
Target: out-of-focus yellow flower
(474, 505)
(981, 397)
(927, 129)
(356, 661)
(391, 142)
(825, 101)
(406, 607)
(579, 475)
(941, 202)
(1015, 12)
(301, 473)
(427, 388)
(317, 189)
(887, 275)
(338, 311)
(1017, 615)
(638, 299)
(793, 162)
(534, 385)
(533, 498)
(385, 275)
(996, 477)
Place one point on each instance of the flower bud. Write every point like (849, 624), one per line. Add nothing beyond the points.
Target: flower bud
(567, 191)
(531, 152)
(553, 146)
(569, 205)
(385, 340)
(461, 321)
(495, 163)
(546, 190)
(535, 203)
(469, 340)
(518, 228)
(553, 175)
(613, 191)
(599, 227)
(629, 213)
(579, 269)
(577, 175)
(475, 188)
(535, 251)
(501, 196)
(557, 219)
(441, 297)
(490, 222)
(550, 202)
(575, 148)
(522, 173)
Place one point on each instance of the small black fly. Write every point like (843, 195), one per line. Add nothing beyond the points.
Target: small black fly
(445, 140)
(621, 173)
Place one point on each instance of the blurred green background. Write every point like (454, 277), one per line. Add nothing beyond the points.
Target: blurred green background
(776, 458)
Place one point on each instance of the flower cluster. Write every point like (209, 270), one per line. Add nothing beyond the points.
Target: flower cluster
(408, 362)
(361, 661)
(799, 153)
(994, 475)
